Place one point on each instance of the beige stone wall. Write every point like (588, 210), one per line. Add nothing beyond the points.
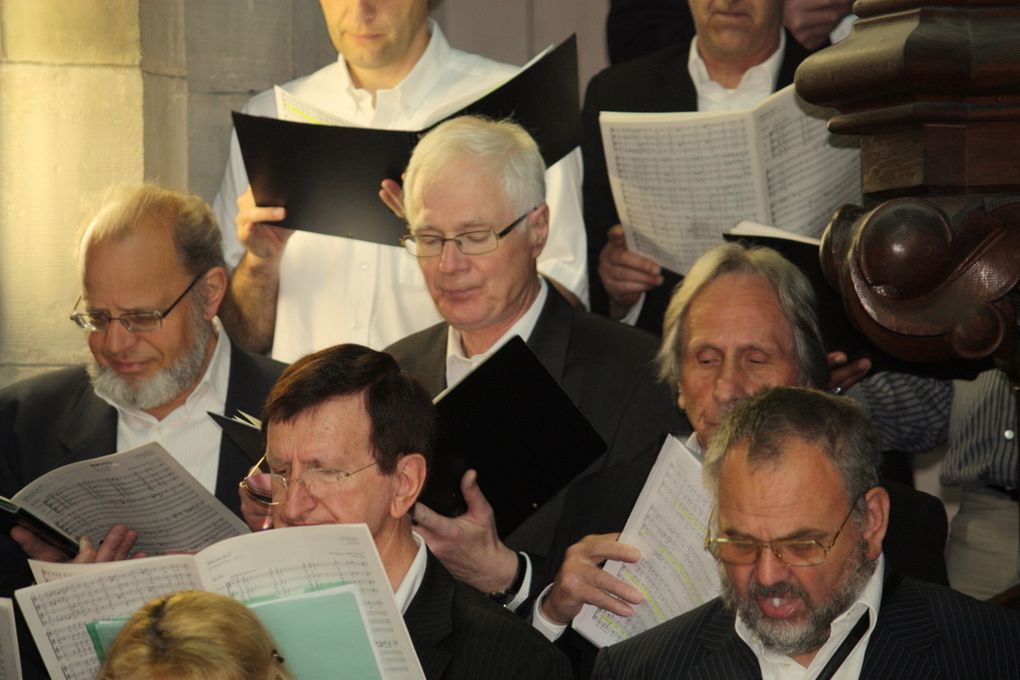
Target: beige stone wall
(94, 92)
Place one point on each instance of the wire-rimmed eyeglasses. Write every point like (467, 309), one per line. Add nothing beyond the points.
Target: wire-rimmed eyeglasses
(135, 322)
(792, 552)
(270, 488)
(476, 242)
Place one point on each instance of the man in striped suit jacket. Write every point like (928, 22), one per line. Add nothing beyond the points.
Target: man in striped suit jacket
(797, 531)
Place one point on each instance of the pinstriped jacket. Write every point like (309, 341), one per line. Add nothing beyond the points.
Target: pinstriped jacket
(924, 631)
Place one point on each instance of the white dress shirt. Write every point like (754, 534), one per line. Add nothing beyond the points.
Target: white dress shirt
(409, 585)
(335, 290)
(187, 433)
(781, 667)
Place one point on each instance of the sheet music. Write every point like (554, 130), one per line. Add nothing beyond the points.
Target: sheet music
(680, 180)
(47, 572)
(289, 107)
(747, 228)
(57, 612)
(249, 568)
(809, 173)
(285, 562)
(144, 488)
(10, 661)
(675, 573)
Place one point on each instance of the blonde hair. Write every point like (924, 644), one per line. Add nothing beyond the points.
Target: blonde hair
(193, 635)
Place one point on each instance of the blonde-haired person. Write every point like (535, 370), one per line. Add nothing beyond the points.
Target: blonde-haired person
(193, 635)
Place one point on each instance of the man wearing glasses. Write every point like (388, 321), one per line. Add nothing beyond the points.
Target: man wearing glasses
(478, 221)
(153, 277)
(348, 440)
(798, 531)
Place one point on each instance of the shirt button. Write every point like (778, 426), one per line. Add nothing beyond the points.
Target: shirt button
(364, 265)
(1009, 434)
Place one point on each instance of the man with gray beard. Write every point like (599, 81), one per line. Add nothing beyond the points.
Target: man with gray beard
(797, 530)
(153, 278)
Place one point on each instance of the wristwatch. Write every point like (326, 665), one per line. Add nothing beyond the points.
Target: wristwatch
(502, 597)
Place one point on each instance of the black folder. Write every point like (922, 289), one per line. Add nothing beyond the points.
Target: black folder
(513, 423)
(328, 176)
(245, 436)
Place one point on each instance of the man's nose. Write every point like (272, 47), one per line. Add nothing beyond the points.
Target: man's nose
(770, 569)
(296, 503)
(731, 383)
(450, 257)
(117, 338)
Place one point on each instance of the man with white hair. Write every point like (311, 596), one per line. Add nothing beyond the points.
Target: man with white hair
(478, 221)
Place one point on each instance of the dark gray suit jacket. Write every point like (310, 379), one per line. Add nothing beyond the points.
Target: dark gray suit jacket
(606, 368)
(656, 82)
(924, 631)
(55, 419)
(458, 632)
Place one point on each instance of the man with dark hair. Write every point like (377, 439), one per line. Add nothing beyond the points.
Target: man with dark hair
(348, 439)
(152, 278)
(797, 531)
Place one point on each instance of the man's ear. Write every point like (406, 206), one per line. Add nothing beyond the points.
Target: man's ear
(538, 229)
(410, 479)
(213, 287)
(876, 521)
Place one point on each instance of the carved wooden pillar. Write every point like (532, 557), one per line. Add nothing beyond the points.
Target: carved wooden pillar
(933, 90)
(929, 269)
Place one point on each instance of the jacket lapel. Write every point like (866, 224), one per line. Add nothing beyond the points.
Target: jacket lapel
(900, 644)
(429, 618)
(90, 430)
(550, 338)
(728, 656)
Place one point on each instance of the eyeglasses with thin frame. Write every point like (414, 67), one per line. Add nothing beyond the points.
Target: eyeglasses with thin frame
(792, 552)
(270, 488)
(476, 242)
(135, 322)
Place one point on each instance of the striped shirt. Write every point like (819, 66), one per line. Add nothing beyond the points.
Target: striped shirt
(976, 418)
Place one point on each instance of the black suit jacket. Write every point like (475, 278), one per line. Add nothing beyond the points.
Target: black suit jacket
(56, 418)
(657, 82)
(924, 631)
(606, 368)
(459, 633)
(602, 502)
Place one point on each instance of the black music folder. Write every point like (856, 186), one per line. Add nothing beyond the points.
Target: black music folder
(328, 176)
(513, 423)
(244, 434)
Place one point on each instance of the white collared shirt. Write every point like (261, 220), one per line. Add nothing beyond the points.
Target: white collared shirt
(781, 667)
(187, 432)
(411, 582)
(757, 83)
(335, 290)
(459, 366)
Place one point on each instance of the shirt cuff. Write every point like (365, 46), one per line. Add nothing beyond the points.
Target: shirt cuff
(522, 592)
(631, 317)
(552, 631)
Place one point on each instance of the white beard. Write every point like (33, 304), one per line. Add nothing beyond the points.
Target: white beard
(161, 388)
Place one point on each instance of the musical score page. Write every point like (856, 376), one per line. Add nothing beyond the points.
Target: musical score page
(679, 180)
(250, 568)
(675, 572)
(289, 561)
(144, 488)
(57, 612)
(809, 172)
(10, 661)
